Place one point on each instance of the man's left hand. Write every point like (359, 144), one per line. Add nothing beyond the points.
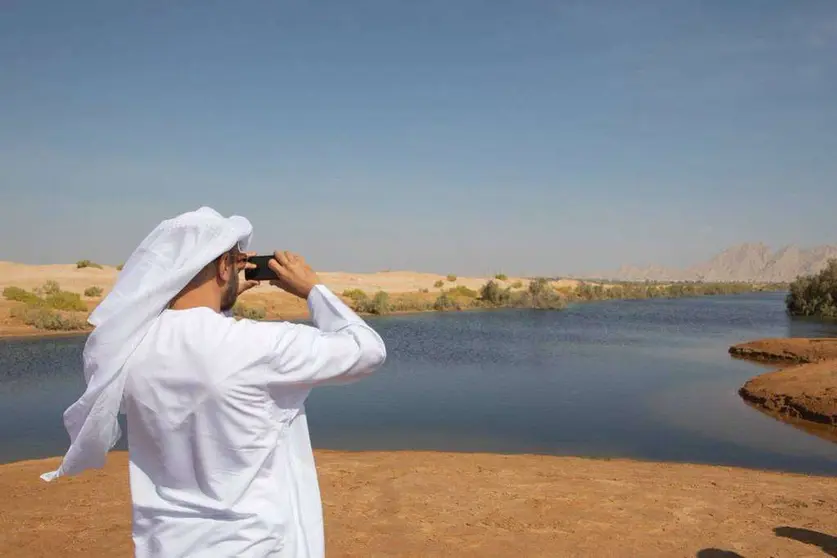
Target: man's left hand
(245, 285)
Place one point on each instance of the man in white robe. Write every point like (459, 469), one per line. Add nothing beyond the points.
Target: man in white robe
(220, 457)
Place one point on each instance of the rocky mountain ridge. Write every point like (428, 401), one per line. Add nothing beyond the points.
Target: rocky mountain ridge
(754, 262)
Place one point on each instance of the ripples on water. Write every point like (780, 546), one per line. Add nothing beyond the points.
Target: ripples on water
(640, 379)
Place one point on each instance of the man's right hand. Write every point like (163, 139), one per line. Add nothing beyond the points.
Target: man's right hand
(293, 274)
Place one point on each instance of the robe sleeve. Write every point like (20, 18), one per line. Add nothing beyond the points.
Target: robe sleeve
(341, 348)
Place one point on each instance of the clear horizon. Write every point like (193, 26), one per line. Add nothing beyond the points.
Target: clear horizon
(468, 137)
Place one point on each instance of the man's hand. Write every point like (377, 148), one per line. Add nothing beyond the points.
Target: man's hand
(243, 264)
(294, 275)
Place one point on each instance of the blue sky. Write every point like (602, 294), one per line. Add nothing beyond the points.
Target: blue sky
(449, 136)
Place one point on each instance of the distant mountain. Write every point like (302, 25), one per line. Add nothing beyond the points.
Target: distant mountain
(745, 262)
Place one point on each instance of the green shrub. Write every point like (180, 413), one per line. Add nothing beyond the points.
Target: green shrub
(355, 294)
(379, 304)
(47, 319)
(17, 294)
(542, 296)
(357, 297)
(51, 287)
(64, 300)
(120, 266)
(462, 290)
(439, 284)
(451, 278)
(93, 292)
(444, 303)
(491, 293)
(409, 302)
(248, 312)
(814, 295)
(53, 297)
(501, 277)
(81, 264)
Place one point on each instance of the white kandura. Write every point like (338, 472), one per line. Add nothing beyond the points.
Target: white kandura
(220, 455)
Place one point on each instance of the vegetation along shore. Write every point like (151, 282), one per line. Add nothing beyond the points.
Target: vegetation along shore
(58, 298)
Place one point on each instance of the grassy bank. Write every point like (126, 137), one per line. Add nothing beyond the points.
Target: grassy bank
(539, 294)
(49, 308)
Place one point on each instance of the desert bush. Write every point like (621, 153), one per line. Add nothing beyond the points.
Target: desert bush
(444, 303)
(65, 300)
(814, 295)
(410, 302)
(355, 294)
(241, 310)
(47, 319)
(439, 284)
(451, 278)
(17, 294)
(501, 277)
(462, 290)
(81, 264)
(53, 298)
(379, 304)
(93, 292)
(541, 295)
(50, 287)
(492, 294)
(120, 266)
(517, 285)
(358, 299)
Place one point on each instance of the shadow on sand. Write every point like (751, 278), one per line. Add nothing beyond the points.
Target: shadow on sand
(826, 543)
(717, 553)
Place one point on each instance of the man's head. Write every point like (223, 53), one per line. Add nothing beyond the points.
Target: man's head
(215, 286)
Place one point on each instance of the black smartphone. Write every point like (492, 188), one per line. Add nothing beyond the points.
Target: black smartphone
(261, 272)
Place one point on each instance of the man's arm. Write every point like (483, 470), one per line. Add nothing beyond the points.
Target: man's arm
(342, 348)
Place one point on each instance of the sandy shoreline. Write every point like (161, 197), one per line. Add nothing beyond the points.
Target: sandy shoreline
(446, 504)
(804, 392)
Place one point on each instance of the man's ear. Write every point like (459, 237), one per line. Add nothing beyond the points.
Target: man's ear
(225, 267)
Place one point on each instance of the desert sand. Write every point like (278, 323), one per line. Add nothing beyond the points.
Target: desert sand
(76, 280)
(442, 504)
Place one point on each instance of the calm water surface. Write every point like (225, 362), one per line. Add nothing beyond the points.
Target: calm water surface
(639, 379)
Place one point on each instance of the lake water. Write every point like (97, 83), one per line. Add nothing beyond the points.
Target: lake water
(639, 379)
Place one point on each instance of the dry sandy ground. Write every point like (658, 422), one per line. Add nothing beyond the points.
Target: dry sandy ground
(442, 504)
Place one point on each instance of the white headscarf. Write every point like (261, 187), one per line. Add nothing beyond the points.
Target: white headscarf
(156, 272)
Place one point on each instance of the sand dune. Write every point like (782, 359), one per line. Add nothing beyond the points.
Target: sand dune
(76, 280)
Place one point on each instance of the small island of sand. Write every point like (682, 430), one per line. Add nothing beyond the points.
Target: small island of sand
(805, 391)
